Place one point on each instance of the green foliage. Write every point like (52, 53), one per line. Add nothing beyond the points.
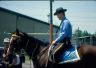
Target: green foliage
(94, 34)
(80, 33)
(85, 33)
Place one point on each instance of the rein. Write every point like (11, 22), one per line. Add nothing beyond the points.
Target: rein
(26, 44)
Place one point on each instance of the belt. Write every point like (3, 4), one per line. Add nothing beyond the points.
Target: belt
(65, 40)
(67, 43)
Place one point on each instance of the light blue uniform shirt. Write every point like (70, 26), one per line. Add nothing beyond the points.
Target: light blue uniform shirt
(65, 30)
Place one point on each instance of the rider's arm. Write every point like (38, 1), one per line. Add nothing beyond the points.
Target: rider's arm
(62, 33)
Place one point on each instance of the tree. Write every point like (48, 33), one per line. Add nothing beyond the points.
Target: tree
(80, 33)
(77, 33)
(94, 34)
(85, 33)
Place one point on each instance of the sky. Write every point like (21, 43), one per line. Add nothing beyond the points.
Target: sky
(81, 14)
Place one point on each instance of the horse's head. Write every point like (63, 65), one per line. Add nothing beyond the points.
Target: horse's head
(21, 40)
(18, 40)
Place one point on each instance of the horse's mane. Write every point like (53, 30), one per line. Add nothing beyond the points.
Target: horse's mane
(35, 39)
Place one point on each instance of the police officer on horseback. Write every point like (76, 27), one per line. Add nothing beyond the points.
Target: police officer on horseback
(64, 32)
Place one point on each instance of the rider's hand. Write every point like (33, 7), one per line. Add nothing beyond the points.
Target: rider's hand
(53, 42)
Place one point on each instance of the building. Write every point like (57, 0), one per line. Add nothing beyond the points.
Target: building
(87, 40)
(10, 20)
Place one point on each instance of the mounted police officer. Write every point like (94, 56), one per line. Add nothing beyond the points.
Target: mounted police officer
(64, 32)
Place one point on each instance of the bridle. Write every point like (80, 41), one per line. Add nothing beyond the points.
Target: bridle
(8, 50)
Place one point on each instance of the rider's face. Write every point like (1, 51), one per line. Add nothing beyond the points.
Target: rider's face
(60, 15)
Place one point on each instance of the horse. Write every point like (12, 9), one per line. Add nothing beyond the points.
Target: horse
(38, 51)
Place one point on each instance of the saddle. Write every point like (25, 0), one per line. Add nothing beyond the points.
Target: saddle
(60, 55)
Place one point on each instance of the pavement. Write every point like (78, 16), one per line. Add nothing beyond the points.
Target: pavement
(27, 64)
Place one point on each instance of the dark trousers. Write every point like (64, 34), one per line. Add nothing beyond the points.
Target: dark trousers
(67, 45)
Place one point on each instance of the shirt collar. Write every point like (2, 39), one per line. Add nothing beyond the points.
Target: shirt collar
(63, 18)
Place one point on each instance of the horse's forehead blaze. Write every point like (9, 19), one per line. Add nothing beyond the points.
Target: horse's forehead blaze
(13, 35)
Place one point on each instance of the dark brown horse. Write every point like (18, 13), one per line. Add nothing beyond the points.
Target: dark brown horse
(38, 51)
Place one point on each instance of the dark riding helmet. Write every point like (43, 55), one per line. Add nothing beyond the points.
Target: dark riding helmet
(60, 10)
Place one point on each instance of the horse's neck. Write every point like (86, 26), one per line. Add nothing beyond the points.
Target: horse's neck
(36, 49)
(33, 47)
(38, 59)
(43, 48)
(39, 51)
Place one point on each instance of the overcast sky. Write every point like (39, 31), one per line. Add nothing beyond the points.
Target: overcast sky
(81, 14)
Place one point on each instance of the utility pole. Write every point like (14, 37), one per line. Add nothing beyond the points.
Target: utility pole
(51, 22)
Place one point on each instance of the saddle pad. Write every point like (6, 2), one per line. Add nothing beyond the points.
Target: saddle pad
(70, 55)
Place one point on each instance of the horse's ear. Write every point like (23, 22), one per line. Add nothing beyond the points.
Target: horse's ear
(17, 31)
